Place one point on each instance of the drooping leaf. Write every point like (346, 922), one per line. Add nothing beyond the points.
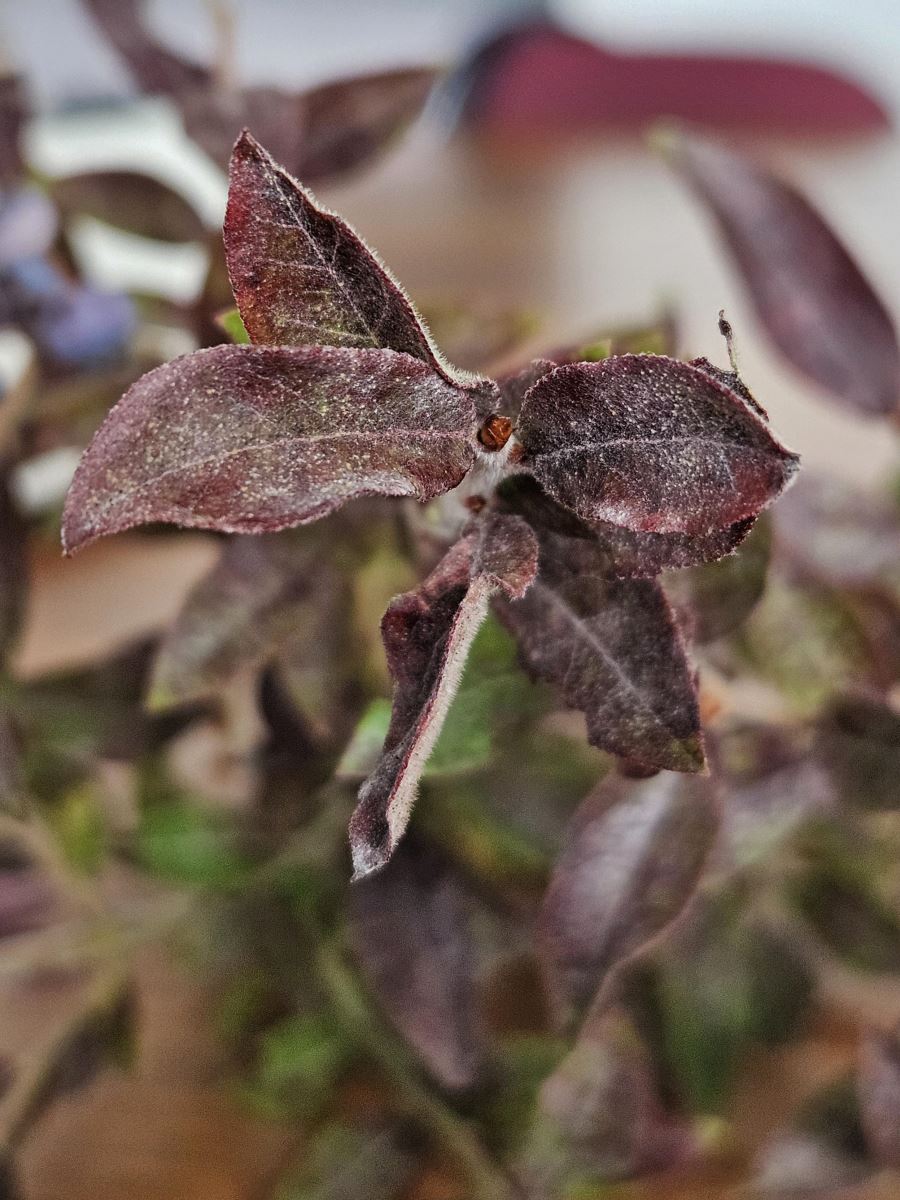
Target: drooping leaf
(719, 596)
(301, 276)
(139, 203)
(878, 1090)
(600, 1116)
(409, 927)
(250, 439)
(811, 297)
(427, 635)
(631, 861)
(858, 740)
(612, 650)
(650, 443)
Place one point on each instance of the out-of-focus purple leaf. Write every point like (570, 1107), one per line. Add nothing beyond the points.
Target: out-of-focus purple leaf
(718, 597)
(840, 535)
(252, 439)
(28, 226)
(301, 276)
(27, 896)
(72, 324)
(611, 648)
(377, 1159)
(12, 117)
(878, 1090)
(427, 634)
(652, 444)
(761, 814)
(13, 565)
(600, 1116)
(154, 67)
(139, 203)
(811, 297)
(858, 740)
(409, 927)
(537, 79)
(351, 121)
(631, 860)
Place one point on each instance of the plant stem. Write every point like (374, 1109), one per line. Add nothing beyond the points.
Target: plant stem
(487, 1180)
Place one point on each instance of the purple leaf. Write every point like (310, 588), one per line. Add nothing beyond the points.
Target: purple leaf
(301, 276)
(12, 117)
(28, 225)
(251, 439)
(652, 444)
(129, 200)
(410, 931)
(631, 860)
(427, 635)
(600, 1116)
(858, 740)
(811, 297)
(619, 553)
(350, 122)
(154, 67)
(612, 650)
(27, 898)
(878, 1089)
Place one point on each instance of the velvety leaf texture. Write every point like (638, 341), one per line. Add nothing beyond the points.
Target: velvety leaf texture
(631, 860)
(300, 275)
(251, 439)
(612, 650)
(652, 444)
(410, 932)
(427, 635)
(879, 1096)
(811, 297)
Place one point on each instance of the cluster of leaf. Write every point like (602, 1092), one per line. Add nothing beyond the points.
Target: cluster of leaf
(548, 992)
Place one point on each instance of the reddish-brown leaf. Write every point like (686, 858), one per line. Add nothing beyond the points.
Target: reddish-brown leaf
(301, 276)
(410, 931)
(251, 439)
(652, 444)
(13, 109)
(427, 635)
(878, 1089)
(611, 648)
(155, 68)
(631, 860)
(811, 297)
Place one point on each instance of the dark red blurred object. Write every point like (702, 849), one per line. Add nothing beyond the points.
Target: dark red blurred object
(536, 79)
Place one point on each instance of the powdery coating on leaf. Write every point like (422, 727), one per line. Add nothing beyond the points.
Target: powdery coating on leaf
(301, 276)
(506, 552)
(631, 860)
(619, 553)
(650, 443)
(251, 439)
(427, 635)
(612, 650)
(410, 932)
(878, 1088)
(811, 297)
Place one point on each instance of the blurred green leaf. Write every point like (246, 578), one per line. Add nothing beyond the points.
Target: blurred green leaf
(80, 826)
(188, 844)
(232, 323)
(300, 1061)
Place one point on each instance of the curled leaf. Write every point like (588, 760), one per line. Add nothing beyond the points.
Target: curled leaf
(811, 297)
(250, 439)
(650, 443)
(611, 648)
(427, 635)
(631, 860)
(301, 276)
(410, 932)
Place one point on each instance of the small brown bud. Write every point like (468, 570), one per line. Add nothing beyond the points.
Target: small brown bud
(475, 503)
(495, 432)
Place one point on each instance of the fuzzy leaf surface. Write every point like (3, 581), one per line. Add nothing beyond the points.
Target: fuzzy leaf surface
(612, 649)
(811, 297)
(652, 444)
(251, 439)
(427, 634)
(300, 274)
(410, 931)
(630, 862)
